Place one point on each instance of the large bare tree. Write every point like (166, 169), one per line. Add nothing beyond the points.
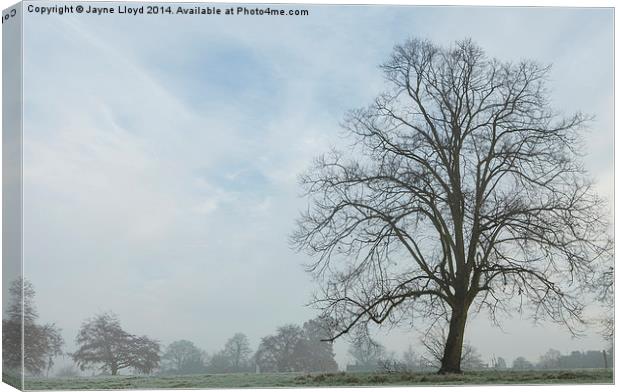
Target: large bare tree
(462, 190)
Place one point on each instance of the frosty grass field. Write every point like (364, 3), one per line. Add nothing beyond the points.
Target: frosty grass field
(290, 380)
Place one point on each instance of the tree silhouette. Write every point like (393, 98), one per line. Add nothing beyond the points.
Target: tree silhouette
(521, 363)
(462, 189)
(237, 349)
(41, 343)
(281, 352)
(103, 343)
(294, 348)
(366, 352)
(184, 357)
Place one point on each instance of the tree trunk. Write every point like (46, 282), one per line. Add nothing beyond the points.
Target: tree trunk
(451, 361)
(113, 370)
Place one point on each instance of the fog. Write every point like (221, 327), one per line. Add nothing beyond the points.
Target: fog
(161, 155)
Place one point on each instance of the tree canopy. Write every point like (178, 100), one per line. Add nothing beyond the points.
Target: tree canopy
(183, 357)
(104, 344)
(294, 348)
(234, 358)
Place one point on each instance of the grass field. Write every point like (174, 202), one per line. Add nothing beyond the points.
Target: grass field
(292, 380)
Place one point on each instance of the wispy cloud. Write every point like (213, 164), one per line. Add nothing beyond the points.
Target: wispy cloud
(161, 154)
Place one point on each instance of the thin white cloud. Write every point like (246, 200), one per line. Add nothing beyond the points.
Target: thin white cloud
(167, 183)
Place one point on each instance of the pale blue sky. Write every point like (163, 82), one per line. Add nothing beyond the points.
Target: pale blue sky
(161, 155)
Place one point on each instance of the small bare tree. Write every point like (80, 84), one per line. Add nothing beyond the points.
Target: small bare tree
(104, 344)
(238, 350)
(367, 352)
(462, 190)
(434, 341)
(25, 342)
(297, 349)
(183, 357)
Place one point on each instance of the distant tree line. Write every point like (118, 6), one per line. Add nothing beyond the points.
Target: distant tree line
(104, 347)
(553, 359)
(184, 357)
(369, 355)
(292, 348)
